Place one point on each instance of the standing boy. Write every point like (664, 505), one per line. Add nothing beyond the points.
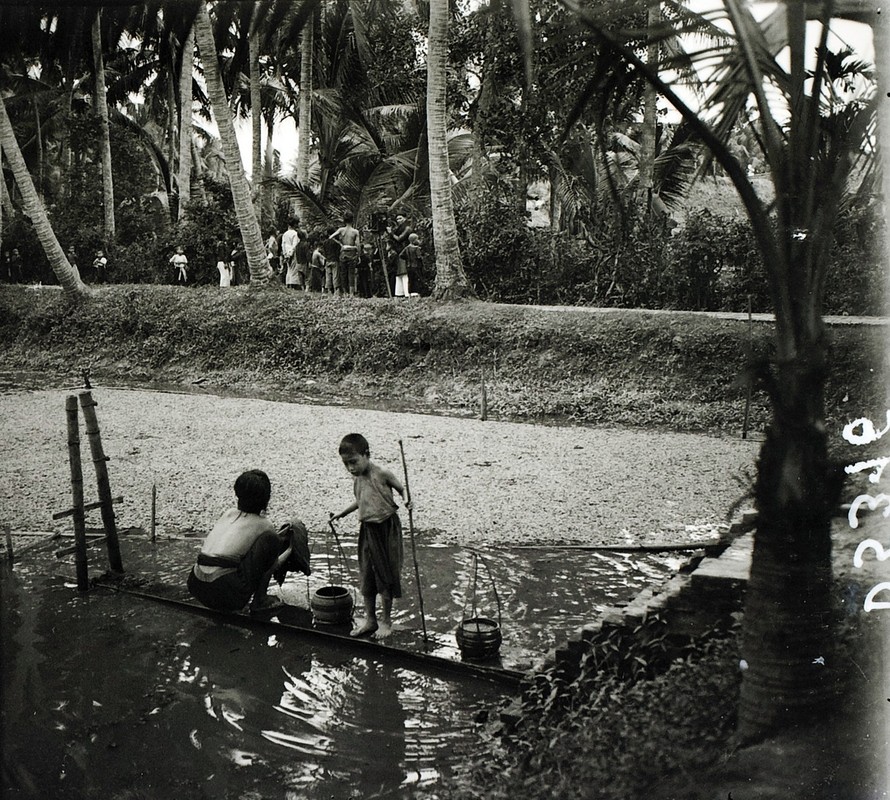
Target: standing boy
(380, 551)
(409, 265)
(365, 263)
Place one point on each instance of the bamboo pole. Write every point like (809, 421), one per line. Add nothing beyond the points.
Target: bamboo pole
(88, 406)
(483, 410)
(750, 377)
(79, 515)
(154, 510)
(413, 546)
(88, 507)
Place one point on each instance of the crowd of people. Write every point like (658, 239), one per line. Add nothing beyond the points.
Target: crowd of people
(341, 261)
(384, 261)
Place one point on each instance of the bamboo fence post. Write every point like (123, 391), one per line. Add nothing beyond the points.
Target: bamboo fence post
(88, 405)
(483, 404)
(7, 529)
(154, 509)
(79, 515)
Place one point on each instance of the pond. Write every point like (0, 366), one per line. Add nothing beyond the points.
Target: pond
(107, 694)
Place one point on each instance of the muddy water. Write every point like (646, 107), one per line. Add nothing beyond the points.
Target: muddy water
(105, 693)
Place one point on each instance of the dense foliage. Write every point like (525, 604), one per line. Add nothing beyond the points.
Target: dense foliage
(710, 264)
(606, 737)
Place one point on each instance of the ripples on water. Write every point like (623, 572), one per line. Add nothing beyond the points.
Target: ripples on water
(107, 694)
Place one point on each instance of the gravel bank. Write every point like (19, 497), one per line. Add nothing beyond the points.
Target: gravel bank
(474, 482)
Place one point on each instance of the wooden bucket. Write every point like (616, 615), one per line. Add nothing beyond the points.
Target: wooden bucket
(331, 605)
(478, 638)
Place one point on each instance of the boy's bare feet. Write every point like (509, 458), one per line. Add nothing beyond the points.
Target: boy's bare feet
(368, 626)
(383, 630)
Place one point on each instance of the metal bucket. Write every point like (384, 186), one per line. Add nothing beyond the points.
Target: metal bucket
(478, 638)
(331, 605)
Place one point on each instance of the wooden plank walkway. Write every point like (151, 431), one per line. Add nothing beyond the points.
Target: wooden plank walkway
(439, 652)
(732, 566)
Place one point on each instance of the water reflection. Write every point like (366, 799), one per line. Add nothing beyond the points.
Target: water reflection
(106, 692)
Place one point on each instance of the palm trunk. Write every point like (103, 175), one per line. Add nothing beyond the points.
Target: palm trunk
(255, 251)
(555, 203)
(184, 179)
(66, 274)
(38, 140)
(101, 107)
(451, 280)
(256, 121)
(650, 120)
(305, 130)
(787, 637)
(199, 171)
(66, 157)
(268, 174)
(5, 199)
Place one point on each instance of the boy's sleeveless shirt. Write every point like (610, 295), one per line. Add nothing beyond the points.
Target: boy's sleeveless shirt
(374, 496)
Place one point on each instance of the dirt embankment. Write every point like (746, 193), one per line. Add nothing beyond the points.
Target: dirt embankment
(668, 371)
(663, 458)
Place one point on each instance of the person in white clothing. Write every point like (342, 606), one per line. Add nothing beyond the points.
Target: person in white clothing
(289, 241)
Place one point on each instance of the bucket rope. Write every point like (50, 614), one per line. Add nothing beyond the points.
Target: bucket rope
(344, 564)
(477, 557)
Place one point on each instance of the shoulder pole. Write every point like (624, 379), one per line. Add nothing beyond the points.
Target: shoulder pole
(413, 547)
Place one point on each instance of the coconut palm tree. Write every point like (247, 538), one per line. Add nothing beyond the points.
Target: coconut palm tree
(100, 104)
(451, 280)
(186, 76)
(307, 52)
(68, 277)
(809, 142)
(251, 235)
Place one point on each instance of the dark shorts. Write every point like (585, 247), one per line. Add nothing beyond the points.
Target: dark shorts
(380, 556)
(232, 591)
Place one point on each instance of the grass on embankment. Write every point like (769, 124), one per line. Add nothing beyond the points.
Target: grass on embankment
(633, 368)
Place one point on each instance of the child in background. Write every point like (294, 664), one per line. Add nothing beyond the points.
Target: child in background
(180, 262)
(380, 551)
(330, 249)
(409, 263)
(99, 265)
(302, 254)
(316, 267)
(365, 262)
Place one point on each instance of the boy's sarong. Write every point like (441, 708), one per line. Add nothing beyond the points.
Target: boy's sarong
(380, 556)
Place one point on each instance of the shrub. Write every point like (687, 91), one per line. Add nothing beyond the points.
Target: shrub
(614, 738)
(715, 265)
